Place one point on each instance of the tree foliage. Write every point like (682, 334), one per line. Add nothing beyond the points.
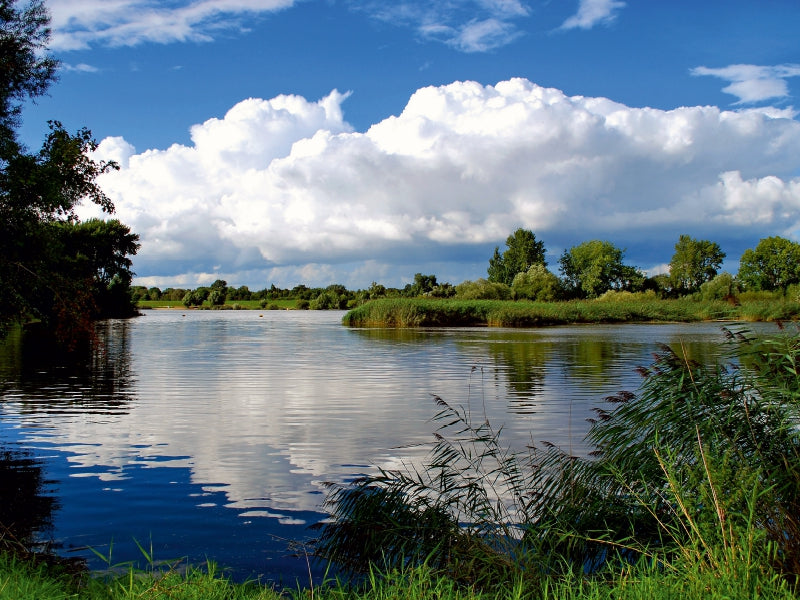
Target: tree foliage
(694, 263)
(522, 251)
(592, 268)
(774, 264)
(423, 284)
(27, 70)
(49, 267)
(482, 289)
(96, 250)
(537, 283)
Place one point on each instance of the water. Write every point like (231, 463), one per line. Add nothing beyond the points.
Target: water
(209, 434)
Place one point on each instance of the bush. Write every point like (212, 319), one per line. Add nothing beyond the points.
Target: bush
(537, 283)
(482, 289)
(722, 287)
(623, 296)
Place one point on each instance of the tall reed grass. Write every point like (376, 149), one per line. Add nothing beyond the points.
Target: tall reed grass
(429, 312)
(694, 475)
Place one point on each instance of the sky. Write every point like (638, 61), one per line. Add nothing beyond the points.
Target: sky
(316, 142)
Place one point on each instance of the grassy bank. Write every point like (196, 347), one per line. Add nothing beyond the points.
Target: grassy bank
(25, 581)
(423, 312)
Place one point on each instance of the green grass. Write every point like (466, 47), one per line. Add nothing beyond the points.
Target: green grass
(423, 312)
(24, 581)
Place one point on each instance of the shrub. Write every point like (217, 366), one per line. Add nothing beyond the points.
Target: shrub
(481, 289)
(722, 287)
(537, 283)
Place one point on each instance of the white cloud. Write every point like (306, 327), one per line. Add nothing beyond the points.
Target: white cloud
(284, 188)
(466, 25)
(753, 83)
(593, 12)
(79, 24)
(79, 68)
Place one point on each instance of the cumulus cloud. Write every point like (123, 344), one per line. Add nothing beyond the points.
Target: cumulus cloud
(78, 24)
(284, 191)
(753, 83)
(593, 12)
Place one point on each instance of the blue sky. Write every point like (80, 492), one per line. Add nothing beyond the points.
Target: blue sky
(350, 141)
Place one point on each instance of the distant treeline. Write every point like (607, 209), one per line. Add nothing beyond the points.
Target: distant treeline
(335, 296)
(587, 271)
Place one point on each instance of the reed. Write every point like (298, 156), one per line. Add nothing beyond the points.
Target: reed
(697, 474)
(429, 312)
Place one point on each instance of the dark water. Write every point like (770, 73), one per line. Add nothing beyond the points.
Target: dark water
(208, 435)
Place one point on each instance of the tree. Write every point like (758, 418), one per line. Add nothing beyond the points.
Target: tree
(218, 292)
(537, 283)
(482, 289)
(694, 263)
(39, 193)
(592, 268)
(38, 196)
(98, 250)
(423, 284)
(723, 287)
(774, 264)
(27, 70)
(522, 251)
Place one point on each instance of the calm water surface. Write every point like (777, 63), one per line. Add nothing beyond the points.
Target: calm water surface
(209, 434)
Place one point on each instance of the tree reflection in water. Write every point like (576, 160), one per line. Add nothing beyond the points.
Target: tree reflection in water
(27, 502)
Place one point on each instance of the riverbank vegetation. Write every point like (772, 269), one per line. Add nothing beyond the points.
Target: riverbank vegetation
(695, 477)
(619, 307)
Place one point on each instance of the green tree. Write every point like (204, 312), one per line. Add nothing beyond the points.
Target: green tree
(423, 284)
(241, 293)
(218, 292)
(537, 283)
(98, 250)
(482, 289)
(376, 290)
(27, 70)
(594, 267)
(39, 193)
(522, 251)
(694, 263)
(723, 286)
(774, 264)
(38, 196)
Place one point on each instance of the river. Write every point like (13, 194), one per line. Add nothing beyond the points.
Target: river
(209, 434)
